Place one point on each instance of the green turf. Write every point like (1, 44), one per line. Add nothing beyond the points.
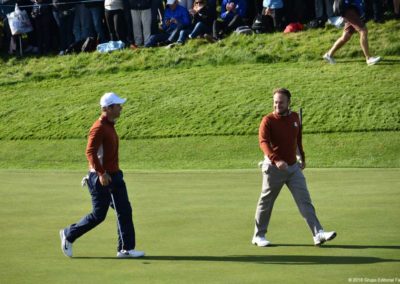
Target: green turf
(195, 227)
(370, 149)
(207, 100)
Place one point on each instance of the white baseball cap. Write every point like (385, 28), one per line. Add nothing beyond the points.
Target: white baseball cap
(111, 99)
(170, 2)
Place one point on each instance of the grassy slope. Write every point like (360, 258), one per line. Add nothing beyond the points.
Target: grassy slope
(196, 228)
(299, 47)
(206, 101)
(56, 98)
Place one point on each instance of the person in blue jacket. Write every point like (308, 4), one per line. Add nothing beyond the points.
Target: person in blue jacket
(352, 12)
(175, 23)
(232, 15)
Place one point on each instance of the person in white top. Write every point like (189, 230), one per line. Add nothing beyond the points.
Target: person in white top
(115, 20)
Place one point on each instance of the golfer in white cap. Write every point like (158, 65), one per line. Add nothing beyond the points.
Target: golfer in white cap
(105, 182)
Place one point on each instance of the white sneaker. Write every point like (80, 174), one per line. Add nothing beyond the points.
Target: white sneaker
(260, 241)
(66, 246)
(373, 60)
(321, 237)
(329, 58)
(130, 253)
(171, 45)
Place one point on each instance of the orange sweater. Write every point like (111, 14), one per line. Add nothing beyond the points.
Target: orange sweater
(279, 137)
(102, 147)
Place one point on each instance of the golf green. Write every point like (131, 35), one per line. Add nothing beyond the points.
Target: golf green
(196, 227)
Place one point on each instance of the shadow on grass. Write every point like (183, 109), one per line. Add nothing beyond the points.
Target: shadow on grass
(330, 246)
(266, 259)
(382, 62)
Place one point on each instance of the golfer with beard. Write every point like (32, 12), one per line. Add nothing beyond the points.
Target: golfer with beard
(280, 139)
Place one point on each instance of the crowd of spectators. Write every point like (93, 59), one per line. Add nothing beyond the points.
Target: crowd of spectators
(58, 24)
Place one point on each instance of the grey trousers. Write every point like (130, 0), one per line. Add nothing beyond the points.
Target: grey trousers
(273, 181)
(141, 23)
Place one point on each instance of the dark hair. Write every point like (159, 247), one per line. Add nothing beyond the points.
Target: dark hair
(282, 91)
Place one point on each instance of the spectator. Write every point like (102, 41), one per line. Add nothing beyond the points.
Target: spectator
(273, 14)
(157, 10)
(41, 19)
(6, 32)
(15, 40)
(82, 24)
(175, 23)
(141, 20)
(212, 7)
(319, 9)
(373, 10)
(128, 21)
(188, 4)
(232, 14)
(96, 12)
(202, 20)
(115, 20)
(396, 9)
(296, 10)
(64, 17)
(352, 11)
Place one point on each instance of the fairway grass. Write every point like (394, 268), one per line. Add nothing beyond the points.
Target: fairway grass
(196, 227)
(333, 150)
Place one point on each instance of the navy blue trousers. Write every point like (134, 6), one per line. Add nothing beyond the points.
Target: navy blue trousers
(101, 201)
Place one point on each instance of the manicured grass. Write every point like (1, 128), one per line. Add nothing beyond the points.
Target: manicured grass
(227, 100)
(196, 228)
(199, 107)
(370, 149)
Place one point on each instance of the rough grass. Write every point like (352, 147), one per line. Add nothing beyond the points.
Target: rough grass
(267, 48)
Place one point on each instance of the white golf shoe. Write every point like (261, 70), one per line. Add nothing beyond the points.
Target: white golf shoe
(329, 58)
(130, 253)
(260, 241)
(321, 237)
(66, 246)
(373, 60)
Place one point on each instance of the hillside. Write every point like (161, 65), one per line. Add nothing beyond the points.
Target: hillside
(207, 90)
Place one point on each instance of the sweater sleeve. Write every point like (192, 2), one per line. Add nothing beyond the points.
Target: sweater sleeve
(223, 9)
(185, 17)
(95, 140)
(264, 138)
(167, 16)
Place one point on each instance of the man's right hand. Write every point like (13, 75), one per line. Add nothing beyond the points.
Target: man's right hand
(230, 7)
(282, 165)
(267, 12)
(105, 179)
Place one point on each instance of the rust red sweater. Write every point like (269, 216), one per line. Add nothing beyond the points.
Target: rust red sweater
(102, 147)
(279, 137)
